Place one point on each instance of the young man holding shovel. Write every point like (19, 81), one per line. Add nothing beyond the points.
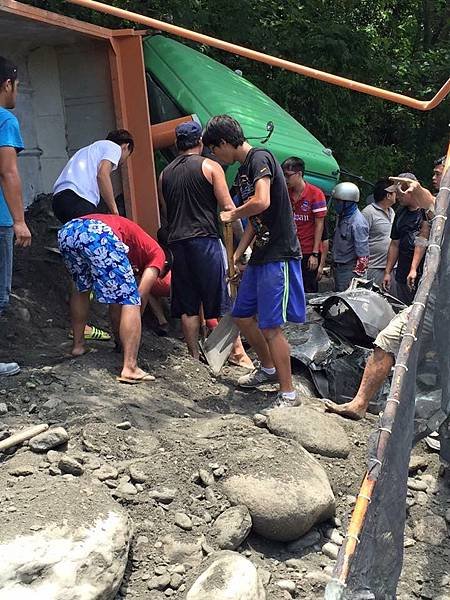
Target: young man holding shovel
(191, 188)
(272, 286)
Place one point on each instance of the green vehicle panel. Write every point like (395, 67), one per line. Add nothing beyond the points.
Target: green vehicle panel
(198, 84)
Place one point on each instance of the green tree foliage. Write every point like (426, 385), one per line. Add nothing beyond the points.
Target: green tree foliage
(401, 45)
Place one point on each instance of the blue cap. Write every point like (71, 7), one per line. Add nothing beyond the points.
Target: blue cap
(190, 131)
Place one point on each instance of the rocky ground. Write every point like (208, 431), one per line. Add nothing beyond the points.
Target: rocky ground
(180, 470)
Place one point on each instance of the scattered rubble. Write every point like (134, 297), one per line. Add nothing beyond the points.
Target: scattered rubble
(189, 468)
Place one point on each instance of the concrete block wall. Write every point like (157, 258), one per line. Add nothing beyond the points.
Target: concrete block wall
(49, 114)
(87, 94)
(29, 159)
(64, 103)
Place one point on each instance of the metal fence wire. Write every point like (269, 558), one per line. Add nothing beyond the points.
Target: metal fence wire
(370, 561)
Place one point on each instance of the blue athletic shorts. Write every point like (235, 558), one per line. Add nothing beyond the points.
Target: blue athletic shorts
(198, 278)
(98, 260)
(272, 291)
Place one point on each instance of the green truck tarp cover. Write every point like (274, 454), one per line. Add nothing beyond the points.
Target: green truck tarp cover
(200, 85)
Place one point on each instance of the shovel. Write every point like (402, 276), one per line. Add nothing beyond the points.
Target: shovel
(217, 346)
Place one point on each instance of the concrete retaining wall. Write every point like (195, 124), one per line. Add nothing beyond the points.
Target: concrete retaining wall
(64, 103)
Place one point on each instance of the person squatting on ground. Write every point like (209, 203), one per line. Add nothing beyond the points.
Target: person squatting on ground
(351, 236)
(271, 286)
(191, 188)
(103, 253)
(12, 218)
(380, 216)
(409, 221)
(310, 210)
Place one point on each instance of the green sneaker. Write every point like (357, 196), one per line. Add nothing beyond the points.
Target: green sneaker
(256, 378)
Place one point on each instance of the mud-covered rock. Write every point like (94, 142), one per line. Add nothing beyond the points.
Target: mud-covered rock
(232, 527)
(229, 577)
(287, 500)
(52, 438)
(68, 541)
(317, 432)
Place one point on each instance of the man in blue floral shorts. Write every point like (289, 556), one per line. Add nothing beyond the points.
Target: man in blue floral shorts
(105, 253)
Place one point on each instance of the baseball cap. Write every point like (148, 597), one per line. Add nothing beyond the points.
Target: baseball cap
(190, 131)
(393, 187)
(8, 70)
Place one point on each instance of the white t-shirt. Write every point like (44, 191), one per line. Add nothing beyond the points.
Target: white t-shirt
(80, 173)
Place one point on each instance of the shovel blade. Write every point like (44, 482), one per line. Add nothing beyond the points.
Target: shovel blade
(217, 346)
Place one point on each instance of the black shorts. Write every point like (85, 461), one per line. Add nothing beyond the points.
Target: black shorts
(198, 277)
(310, 282)
(67, 205)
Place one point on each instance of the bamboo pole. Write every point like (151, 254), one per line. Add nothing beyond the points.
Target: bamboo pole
(432, 261)
(22, 436)
(267, 58)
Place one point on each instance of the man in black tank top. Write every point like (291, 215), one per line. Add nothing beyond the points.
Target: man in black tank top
(272, 287)
(190, 189)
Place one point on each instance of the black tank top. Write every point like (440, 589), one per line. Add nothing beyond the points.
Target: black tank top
(190, 200)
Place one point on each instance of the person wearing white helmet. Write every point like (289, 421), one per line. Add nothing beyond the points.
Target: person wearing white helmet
(351, 236)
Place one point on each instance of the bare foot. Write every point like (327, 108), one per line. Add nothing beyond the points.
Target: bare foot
(241, 360)
(349, 410)
(136, 374)
(79, 351)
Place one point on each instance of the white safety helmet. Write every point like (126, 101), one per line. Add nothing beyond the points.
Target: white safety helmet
(347, 191)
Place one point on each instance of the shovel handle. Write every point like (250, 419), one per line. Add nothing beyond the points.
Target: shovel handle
(228, 235)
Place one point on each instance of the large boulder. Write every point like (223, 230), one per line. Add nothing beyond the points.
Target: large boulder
(286, 490)
(317, 432)
(229, 577)
(61, 538)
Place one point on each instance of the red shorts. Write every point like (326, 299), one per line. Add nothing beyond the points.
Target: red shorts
(161, 287)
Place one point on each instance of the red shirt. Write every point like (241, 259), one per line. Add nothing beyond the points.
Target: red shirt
(143, 251)
(307, 208)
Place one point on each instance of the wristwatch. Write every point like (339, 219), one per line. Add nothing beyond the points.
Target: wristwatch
(315, 254)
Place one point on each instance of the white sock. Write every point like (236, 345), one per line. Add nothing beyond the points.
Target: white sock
(271, 371)
(289, 395)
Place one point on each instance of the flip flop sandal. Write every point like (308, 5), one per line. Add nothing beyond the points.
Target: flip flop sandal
(236, 363)
(95, 334)
(88, 351)
(144, 379)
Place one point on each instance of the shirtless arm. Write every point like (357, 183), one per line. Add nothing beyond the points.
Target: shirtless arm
(216, 176)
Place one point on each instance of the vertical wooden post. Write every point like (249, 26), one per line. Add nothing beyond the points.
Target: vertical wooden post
(132, 113)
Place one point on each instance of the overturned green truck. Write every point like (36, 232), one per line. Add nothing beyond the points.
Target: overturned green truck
(182, 81)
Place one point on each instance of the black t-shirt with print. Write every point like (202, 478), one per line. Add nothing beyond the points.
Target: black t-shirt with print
(276, 237)
(405, 227)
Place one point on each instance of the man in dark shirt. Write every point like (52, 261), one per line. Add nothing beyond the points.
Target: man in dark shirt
(407, 223)
(190, 188)
(272, 286)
